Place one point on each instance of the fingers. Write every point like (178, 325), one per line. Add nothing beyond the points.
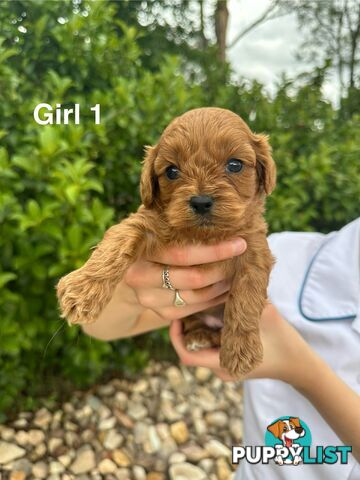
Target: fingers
(208, 358)
(171, 312)
(199, 254)
(205, 358)
(145, 274)
(160, 297)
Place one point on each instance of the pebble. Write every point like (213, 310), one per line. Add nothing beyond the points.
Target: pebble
(176, 380)
(155, 476)
(53, 444)
(121, 458)
(106, 390)
(10, 452)
(217, 449)
(107, 424)
(137, 411)
(202, 374)
(56, 467)
(194, 453)
(121, 400)
(139, 472)
(42, 418)
(36, 436)
(22, 465)
(113, 440)
(106, 466)
(17, 475)
(207, 464)
(186, 471)
(179, 432)
(149, 429)
(84, 461)
(223, 470)
(40, 470)
(236, 429)
(22, 438)
(7, 433)
(217, 419)
(177, 457)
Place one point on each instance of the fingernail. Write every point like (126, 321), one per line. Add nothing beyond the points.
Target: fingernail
(239, 246)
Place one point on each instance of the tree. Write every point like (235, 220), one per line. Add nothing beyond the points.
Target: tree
(332, 32)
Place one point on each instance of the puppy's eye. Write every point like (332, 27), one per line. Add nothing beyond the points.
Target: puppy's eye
(172, 172)
(285, 429)
(234, 165)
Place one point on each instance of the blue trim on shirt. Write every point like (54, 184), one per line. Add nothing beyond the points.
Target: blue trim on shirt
(348, 317)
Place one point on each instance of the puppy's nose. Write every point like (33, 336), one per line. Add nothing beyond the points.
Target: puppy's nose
(299, 430)
(201, 204)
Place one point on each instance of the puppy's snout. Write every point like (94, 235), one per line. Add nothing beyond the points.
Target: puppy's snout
(299, 430)
(201, 204)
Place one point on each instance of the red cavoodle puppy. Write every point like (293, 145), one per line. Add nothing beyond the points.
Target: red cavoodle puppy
(205, 181)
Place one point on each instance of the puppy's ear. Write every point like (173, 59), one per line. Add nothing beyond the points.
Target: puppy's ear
(148, 180)
(265, 165)
(295, 421)
(275, 428)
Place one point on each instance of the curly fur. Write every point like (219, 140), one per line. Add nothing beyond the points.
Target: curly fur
(199, 143)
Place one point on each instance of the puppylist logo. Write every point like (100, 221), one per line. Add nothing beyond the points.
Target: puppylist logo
(288, 442)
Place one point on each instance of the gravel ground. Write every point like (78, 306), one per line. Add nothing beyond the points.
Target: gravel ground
(174, 423)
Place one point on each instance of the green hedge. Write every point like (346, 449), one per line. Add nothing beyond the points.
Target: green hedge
(62, 186)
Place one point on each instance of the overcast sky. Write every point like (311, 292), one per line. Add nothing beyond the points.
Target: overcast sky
(269, 49)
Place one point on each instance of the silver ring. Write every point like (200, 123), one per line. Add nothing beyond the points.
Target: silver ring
(178, 301)
(166, 279)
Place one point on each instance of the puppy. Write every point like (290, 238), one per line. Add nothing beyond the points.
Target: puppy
(205, 181)
(287, 431)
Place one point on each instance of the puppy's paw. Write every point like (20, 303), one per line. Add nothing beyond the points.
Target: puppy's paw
(81, 299)
(202, 338)
(240, 353)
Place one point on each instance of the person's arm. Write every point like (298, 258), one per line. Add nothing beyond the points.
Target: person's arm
(289, 358)
(140, 304)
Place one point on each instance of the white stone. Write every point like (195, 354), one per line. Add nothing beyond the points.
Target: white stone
(107, 423)
(137, 411)
(22, 438)
(107, 466)
(56, 467)
(40, 470)
(217, 419)
(177, 457)
(42, 418)
(186, 471)
(202, 374)
(236, 429)
(36, 437)
(84, 461)
(65, 460)
(113, 440)
(139, 472)
(7, 433)
(53, 444)
(217, 449)
(10, 452)
(121, 400)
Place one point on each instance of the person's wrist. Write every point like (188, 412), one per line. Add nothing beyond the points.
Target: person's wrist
(308, 372)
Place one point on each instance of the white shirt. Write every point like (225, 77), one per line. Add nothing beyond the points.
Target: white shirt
(315, 284)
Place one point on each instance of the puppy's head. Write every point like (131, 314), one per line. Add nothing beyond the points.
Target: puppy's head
(207, 171)
(287, 430)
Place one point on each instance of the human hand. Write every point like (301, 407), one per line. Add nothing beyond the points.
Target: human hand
(200, 288)
(286, 354)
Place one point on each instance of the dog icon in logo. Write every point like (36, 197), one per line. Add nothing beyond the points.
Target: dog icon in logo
(288, 431)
